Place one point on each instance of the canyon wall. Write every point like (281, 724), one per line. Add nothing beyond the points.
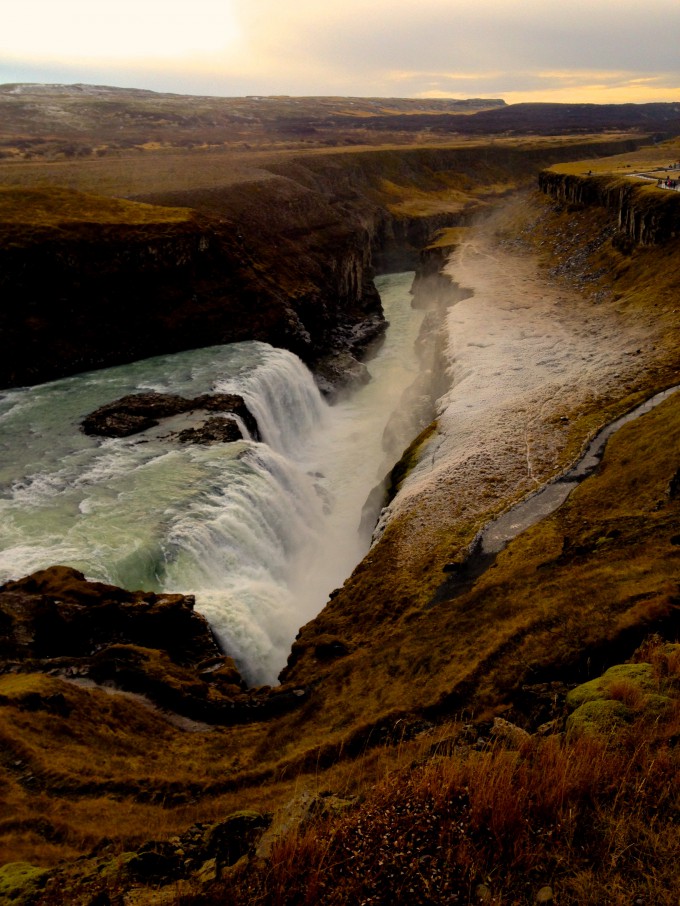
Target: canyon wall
(643, 214)
(286, 257)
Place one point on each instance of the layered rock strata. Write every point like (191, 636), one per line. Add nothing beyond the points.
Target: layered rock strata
(643, 214)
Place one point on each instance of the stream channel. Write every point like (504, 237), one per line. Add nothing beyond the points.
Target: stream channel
(260, 533)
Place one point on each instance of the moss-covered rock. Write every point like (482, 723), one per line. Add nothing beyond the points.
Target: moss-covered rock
(623, 693)
(639, 677)
(20, 882)
(601, 717)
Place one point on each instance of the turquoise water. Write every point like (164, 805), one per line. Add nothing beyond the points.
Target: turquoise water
(259, 532)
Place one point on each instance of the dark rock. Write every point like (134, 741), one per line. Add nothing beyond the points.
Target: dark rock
(140, 411)
(673, 489)
(53, 704)
(56, 613)
(214, 430)
(153, 644)
(155, 863)
(339, 372)
(234, 838)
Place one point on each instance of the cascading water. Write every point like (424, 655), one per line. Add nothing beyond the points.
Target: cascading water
(259, 532)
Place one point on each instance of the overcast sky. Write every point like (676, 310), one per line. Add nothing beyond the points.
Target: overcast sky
(604, 51)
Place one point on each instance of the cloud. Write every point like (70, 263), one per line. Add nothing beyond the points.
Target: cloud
(68, 30)
(496, 48)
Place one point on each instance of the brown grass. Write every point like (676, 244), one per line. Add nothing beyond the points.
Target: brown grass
(590, 818)
(54, 207)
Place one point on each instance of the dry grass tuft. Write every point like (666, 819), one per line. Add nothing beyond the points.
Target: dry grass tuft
(585, 817)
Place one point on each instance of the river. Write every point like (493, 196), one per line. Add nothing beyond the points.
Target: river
(260, 533)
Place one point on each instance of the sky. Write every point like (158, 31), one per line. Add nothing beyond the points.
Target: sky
(599, 51)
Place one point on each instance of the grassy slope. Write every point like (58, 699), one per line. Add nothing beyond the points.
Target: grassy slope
(53, 207)
(172, 170)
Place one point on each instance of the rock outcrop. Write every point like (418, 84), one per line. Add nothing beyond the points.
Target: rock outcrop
(57, 622)
(139, 411)
(643, 214)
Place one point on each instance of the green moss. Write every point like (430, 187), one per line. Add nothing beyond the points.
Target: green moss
(599, 717)
(410, 459)
(640, 676)
(19, 882)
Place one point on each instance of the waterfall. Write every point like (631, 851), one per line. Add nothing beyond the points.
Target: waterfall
(259, 532)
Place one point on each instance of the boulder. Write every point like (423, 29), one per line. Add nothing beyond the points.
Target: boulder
(509, 734)
(599, 718)
(634, 677)
(139, 411)
(56, 613)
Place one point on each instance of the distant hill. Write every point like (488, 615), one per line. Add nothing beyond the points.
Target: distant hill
(36, 119)
(52, 122)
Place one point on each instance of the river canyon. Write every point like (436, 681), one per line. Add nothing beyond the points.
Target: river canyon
(331, 556)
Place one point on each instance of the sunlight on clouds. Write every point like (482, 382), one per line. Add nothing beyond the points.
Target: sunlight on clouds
(436, 48)
(129, 29)
(559, 86)
(592, 94)
(448, 76)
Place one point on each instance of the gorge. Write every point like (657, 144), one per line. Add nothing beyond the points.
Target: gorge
(539, 317)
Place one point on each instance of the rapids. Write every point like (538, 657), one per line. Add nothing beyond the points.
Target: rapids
(260, 533)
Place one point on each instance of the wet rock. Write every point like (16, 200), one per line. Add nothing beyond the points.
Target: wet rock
(140, 411)
(339, 372)
(57, 613)
(214, 430)
(56, 621)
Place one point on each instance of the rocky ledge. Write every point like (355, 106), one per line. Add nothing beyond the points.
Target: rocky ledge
(140, 411)
(57, 622)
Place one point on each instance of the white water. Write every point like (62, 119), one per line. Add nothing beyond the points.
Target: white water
(259, 532)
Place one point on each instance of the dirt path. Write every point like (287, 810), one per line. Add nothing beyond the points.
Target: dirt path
(528, 358)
